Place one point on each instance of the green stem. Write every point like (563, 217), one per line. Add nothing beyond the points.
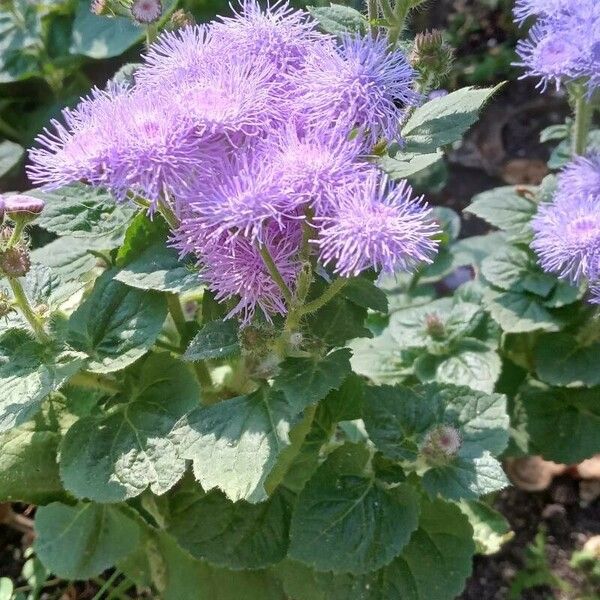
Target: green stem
(583, 122)
(275, 274)
(16, 234)
(107, 585)
(169, 347)
(167, 212)
(203, 374)
(336, 286)
(178, 316)
(388, 11)
(372, 15)
(151, 33)
(32, 317)
(10, 131)
(95, 381)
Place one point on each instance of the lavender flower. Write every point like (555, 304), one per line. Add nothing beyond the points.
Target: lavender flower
(360, 84)
(232, 266)
(567, 236)
(377, 225)
(581, 178)
(529, 8)
(281, 34)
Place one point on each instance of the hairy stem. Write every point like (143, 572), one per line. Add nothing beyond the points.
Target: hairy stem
(32, 317)
(16, 234)
(178, 316)
(372, 14)
(95, 381)
(275, 274)
(388, 11)
(336, 286)
(203, 374)
(169, 216)
(107, 585)
(582, 124)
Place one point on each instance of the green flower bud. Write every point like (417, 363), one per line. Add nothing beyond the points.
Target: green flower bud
(6, 306)
(434, 326)
(441, 444)
(181, 18)
(15, 261)
(431, 56)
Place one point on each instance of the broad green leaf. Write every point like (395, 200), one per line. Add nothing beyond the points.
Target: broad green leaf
(141, 233)
(82, 541)
(233, 535)
(564, 294)
(471, 363)
(160, 561)
(305, 381)
(444, 120)
(339, 321)
(159, 268)
(10, 153)
(563, 425)
(81, 211)
(563, 153)
(365, 293)
(473, 250)
(442, 546)
(217, 339)
(115, 456)
(6, 589)
(507, 267)
(409, 164)
(69, 258)
(490, 528)
(339, 19)
(561, 361)
(116, 324)
(518, 312)
(345, 521)
(20, 38)
(235, 443)
(102, 37)
(28, 373)
(28, 465)
(505, 209)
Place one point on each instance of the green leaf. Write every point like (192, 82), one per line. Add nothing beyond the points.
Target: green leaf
(101, 37)
(563, 153)
(339, 19)
(344, 521)
(305, 381)
(365, 293)
(490, 529)
(561, 361)
(235, 443)
(82, 541)
(505, 209)
(81, 211)
(20, 39)
(433, 566)
(116, 324)
(471, 363)
(10, 154)
(217, 339)
(506, 267)
(116, 456)
(409, 164)
(177, 576)
(159, 268)
(445, 120)
(28, 373)
(519, 312)
(339, 321)
(552, 415)
(28, 464)
(68, 257)
(234, 535)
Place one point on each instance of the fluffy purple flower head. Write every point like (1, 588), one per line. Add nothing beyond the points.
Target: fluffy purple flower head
(358, 85)
(581, 178)
(178, 57)
(77, 147)
(279, 33)
(567, 236)
(233, 267)
(314, 165)
(524, 9)
(241, 198)
(377, 225)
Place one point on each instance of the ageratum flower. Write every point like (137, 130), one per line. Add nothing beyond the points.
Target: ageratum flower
(232, 266)
(378, 225)
(281, 34)
(77, 147)
(534, 8)
(567, 236)
(362, 84)
(581, 178)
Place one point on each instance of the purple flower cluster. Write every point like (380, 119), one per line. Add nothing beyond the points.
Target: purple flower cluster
(564, 43)
(567, 230)
(257, 131)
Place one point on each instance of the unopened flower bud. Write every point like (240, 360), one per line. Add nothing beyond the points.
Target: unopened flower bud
(441, 444)
(296, 340)
(100, 8)
(6, 306)
(15, 261)
(435, 326)
(22, 208)
(431, 55)
(181, 18)
(146, 11)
